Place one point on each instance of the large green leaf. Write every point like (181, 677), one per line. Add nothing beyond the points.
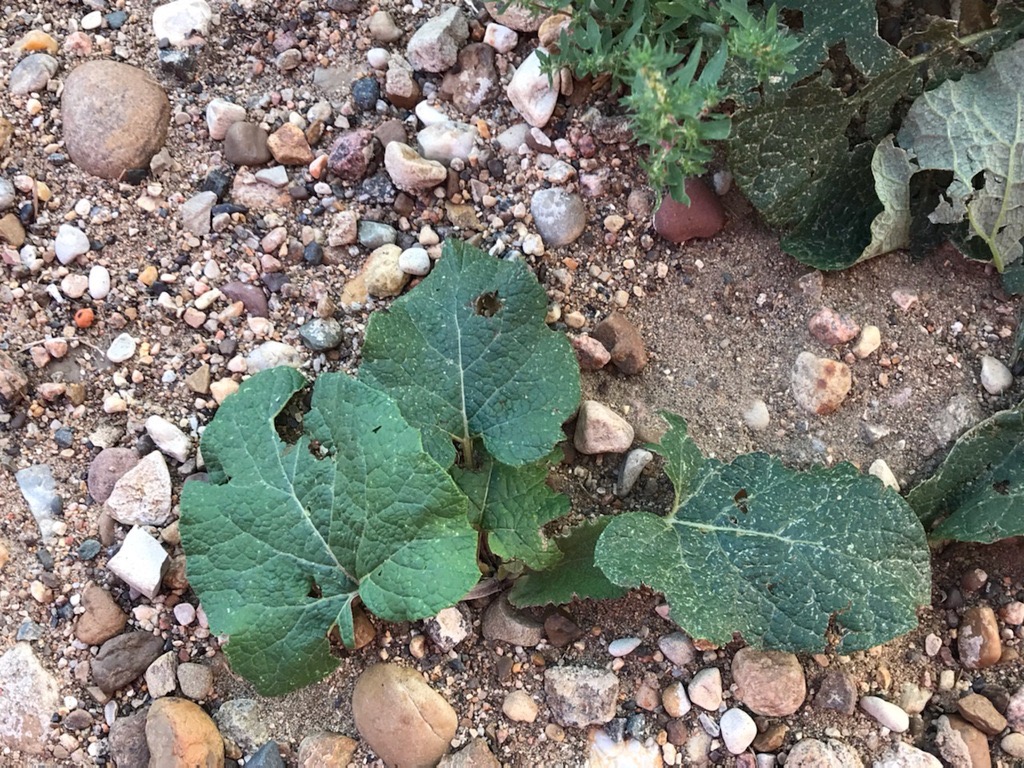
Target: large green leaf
(512, 504)
(284, 537)
(574, 576)
(974, 128)
(979, 489)
(779, 556)
(467, 356)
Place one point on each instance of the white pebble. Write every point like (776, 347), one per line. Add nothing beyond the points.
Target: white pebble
(121, 349)
(623, 646)
(70, 243)
(705, 689)
(881, 470)
(92, 20)
(886, 713)
(184, 613)
(414, 261)
(756, 416)
(995, 377)
(378, 58)
(738, 730)
(99, 282)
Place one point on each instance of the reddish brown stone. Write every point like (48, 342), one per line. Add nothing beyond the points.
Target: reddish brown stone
(621, 338)
(831, 328)
(978, 639)
(352, 155)
(704, 217)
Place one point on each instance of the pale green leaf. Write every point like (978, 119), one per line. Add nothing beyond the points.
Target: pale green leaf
(467, 357)
(784, 558)
(892, 170)
(574, 576)
(979, 489)
(512, 504)
(284, 537)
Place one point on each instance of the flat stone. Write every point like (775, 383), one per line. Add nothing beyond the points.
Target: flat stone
(703, 217)
(196, 681)
(623, 342)
(979, 712)
(820, 385)
(107, 468)
(902, 755)
(177, 21)
(13, 381)
(374, 234)
(162, 675)
(267, 756)
(769, 683)
(123, 659)
(882, 471)
(140, 563)
(978, 638)
(121, 349)
(831, 328)
(591, 353)
(324, 749)
(39, 489)
(448, 141)
(32, 74)
(812, 753)
(115, 118)
(221, 115)
(885, 713)
(288, 145)
(168, 438)
(531, 93)
(246, 144)
(476, 754)
(321, 334)
(253, 299)
(411, 172)
(600, 430)
(837, 692)
(472, 82)
(29, 695)
(958, 415)
(560, 216)
(401, 86)
(869, 341)
(434, 47)
(705, 689)
(142, 496)
(520, 707)
(179, 733)
(102, 617)
(503, 623)
(678, 648)
(128, 739)
(961, 743)
(196, 213)
(581, 696)
(401, 718)
(382, 27)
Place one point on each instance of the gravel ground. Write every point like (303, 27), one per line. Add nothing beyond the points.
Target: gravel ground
(723, 320)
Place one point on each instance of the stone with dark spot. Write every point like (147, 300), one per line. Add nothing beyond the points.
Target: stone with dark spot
(352, 155)
(978, 638)
(107, 468)
(819, 384)
(837, 692)
(831, 328)
(252, 298)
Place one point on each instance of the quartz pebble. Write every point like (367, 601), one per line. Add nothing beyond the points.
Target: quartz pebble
(168, 438)
(705, 689)
(996, 378)
(99, 282)
(738, 730)
(414, 261)
(71, 242)
(531, 92)
(600, 430)
(520, 707)
(140, 562)
(580, 696)
(142, 495)
(623, 646)
(885, 713)
(121, 349)
(756, 415)
(178, 20)
(869, 341)
(675, 700)
(820, 385)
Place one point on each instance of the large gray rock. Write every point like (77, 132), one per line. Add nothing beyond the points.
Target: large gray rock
(115, 118)
(123, 659)
(29, 695)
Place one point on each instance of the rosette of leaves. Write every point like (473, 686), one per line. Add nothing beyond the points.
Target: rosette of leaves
(791, 560)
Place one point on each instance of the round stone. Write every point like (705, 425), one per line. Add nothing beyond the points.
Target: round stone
(559, 216)
(115, 118)
(414, 261)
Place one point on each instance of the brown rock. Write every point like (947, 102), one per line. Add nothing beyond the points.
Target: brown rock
(476, 754)
(402, 719)
(979, 712)
(831, 328)
(769, 683)
(251, 296)
(12, 380)
(124, 658)
(288, 145)
(115, 118)
(179, 734)
(102, 619)
(704, 217)
(352, 155)
(11, 230)
(326, 750)
(246, 144)
(771, 738)
(623, 341)
(820, 385)
(503, 623)
(400, 85)
(978, 639)
(128, 740)
(561, 629)
(974, 740)
(838, 692)
(591, 353)
(107, 468)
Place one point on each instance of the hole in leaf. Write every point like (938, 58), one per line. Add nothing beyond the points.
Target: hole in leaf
(487, 304)
(978, 182)
(740, 500)
(792, 19)
(288, 423)
(1002, 487)
(314, 590)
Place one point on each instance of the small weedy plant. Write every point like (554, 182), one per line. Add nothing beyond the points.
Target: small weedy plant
(677, 61)
(396, 489)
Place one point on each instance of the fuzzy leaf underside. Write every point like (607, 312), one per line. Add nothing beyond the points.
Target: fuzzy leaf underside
(974, 127)
(980, 486)
(467, 355)
(777, 555)
(283, 537)
(574, 576)
(512, 504)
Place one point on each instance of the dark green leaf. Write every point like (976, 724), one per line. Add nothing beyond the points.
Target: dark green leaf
(284, 537)
(467, 356)
(574, 576)
(979, 489)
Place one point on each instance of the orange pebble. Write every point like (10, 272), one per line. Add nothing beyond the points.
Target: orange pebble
(37, 40)
(84, 317)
